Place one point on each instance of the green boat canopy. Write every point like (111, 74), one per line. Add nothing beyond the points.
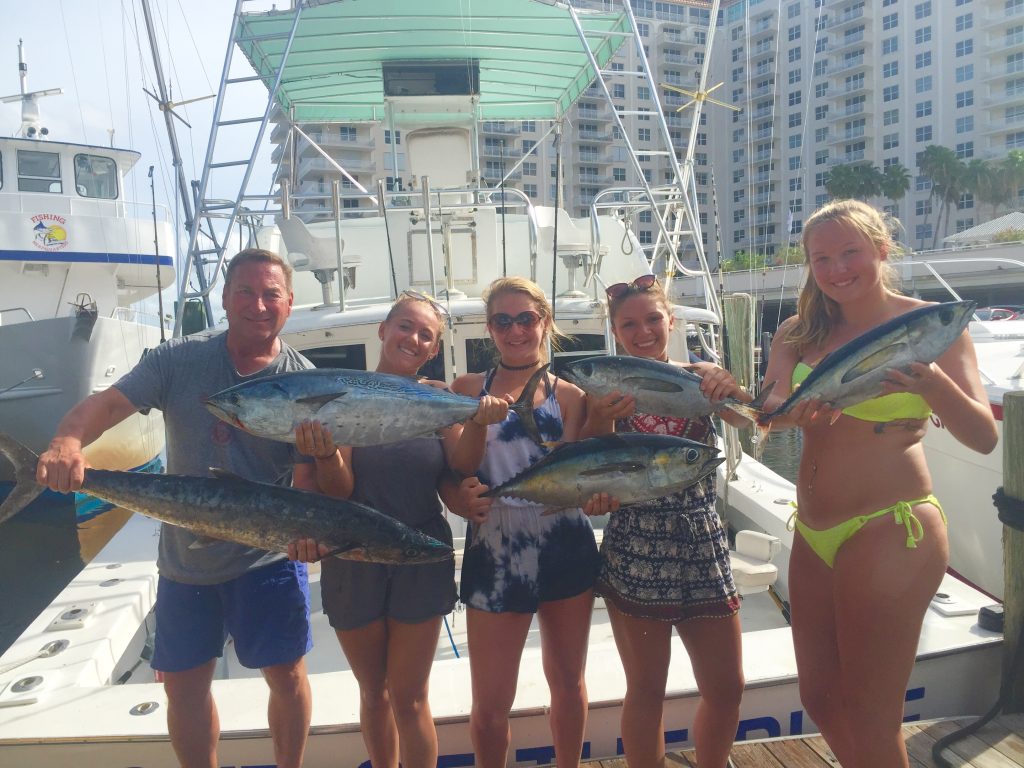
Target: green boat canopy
(525, 56)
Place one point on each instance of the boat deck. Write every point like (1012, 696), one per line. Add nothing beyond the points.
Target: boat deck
(999, 744)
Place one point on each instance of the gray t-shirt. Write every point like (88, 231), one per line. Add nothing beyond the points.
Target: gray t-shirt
(177, 377)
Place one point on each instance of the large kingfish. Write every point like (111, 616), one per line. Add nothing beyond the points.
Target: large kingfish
(227, 507)
(659, 388)
(855, 372)
(630, 466)
(359, 407)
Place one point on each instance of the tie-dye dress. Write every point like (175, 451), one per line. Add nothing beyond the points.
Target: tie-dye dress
(519, 557)
(668, 558)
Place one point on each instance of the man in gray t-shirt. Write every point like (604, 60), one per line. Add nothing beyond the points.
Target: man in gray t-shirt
(206, 592)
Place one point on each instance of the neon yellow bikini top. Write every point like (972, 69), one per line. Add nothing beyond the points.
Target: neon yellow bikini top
(898, 405)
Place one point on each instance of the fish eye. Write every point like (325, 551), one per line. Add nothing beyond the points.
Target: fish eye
(946, 316)
(691, 455)
(234, 398)
(412, 552)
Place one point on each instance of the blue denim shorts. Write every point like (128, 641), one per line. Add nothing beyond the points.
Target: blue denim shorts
(265, 611)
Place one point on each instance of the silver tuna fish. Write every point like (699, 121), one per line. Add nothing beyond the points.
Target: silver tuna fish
(359, 407)
(855, 372)
(659, 388)
(630, 466)
(227, 507)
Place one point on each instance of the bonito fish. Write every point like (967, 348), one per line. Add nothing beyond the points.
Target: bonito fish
(630, 466)
(359, 407)
(659, 388)
(228, 507)
(855, 372)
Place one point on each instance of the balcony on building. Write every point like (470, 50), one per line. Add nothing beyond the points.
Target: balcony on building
(588, 111)
(353, 164)
(849, 64)
(848, 41)
(501, 127)
(995, 17)
(763, 48)
(840, 19)
(495, 175)
(490, 149)
(762, 29)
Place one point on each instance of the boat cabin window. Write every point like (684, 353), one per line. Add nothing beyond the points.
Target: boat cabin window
(96, 176)
(431, 78)
(579, 346)
(435, 368)
(350, 356)
(39, 172)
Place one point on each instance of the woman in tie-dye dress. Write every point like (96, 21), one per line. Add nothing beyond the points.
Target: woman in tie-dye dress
(519, 561)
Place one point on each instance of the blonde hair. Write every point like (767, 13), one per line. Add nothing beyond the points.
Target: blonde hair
(536, 295)
(817, 314)
(259, 255)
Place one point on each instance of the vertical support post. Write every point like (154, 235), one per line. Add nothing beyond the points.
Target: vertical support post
(429, 224)
(338, 243)
(1013, 547)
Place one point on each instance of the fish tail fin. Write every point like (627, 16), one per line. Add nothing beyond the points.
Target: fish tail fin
(26, 489)
(762, 426)
(754, 410)
(524, 405)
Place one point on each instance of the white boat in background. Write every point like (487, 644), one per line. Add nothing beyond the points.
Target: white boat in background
(76, 688)
(76, 258)
(964, 480)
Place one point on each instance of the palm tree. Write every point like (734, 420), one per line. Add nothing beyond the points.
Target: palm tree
(857, 180)
(987, 182)
(841, 183)
(1013, 168)
(895, 182)
(945, 169)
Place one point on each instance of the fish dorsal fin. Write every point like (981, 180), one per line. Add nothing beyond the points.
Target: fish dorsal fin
(202, 542)
(223, 474)
(883, 358)
(524, 405)
(320, 400)
(618, 467)
(652, 385)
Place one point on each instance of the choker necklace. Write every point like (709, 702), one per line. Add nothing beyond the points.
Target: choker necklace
(507, 367)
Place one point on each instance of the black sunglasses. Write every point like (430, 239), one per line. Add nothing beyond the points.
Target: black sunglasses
(642, 283)
(503, 322)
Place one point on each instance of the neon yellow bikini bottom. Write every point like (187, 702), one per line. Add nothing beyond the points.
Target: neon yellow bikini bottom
(826, 543)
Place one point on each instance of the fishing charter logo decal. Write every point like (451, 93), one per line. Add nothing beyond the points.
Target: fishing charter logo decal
(50, 232)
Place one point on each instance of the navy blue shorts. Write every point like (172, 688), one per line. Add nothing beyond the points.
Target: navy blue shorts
(265, 611)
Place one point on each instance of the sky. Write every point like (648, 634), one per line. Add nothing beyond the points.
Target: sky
(98, 52)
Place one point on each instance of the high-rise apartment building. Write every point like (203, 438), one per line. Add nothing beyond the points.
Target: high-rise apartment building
(818, 83)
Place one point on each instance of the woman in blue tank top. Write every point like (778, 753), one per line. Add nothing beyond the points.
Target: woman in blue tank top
(388, 618)
(519, 561)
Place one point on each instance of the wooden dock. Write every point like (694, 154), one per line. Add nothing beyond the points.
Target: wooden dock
(1000, 744)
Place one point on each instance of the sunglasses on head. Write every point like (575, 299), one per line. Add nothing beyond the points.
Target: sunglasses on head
(417, 296)
(503, 322)
(642, 283)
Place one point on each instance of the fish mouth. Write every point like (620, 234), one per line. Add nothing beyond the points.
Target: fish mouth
(224, 415)
(711, 465)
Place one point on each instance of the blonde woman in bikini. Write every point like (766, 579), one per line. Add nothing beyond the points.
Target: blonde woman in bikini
(870, 547)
